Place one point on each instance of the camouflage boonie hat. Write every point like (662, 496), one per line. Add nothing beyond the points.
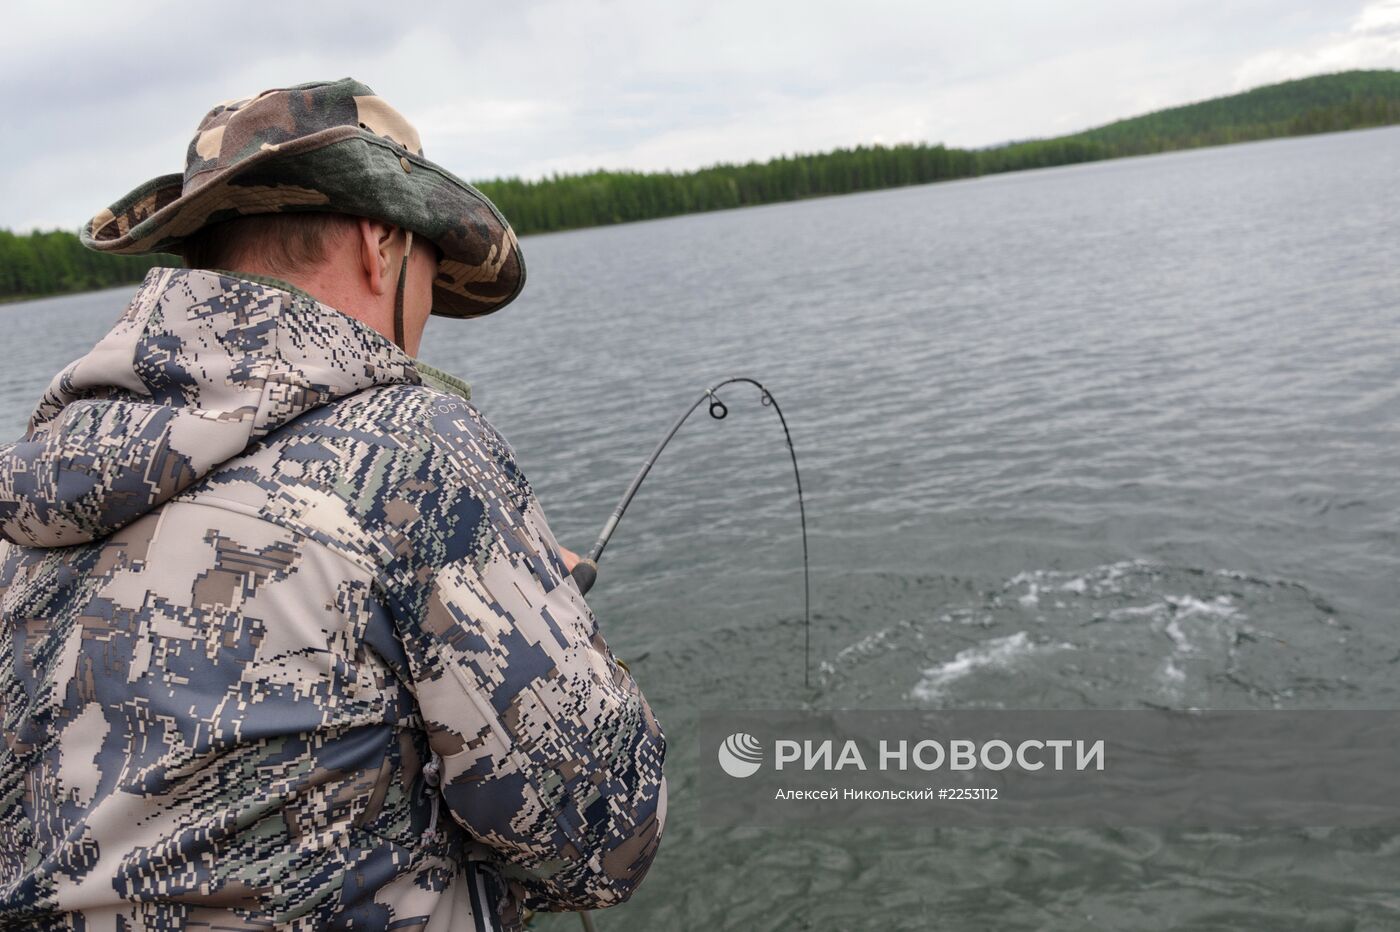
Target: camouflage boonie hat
(326, 146)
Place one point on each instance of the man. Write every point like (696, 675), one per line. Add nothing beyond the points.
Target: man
(287, 642)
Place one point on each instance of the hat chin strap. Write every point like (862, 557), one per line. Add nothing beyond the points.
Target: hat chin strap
(398, 293)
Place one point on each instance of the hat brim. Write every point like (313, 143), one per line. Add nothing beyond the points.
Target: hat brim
(342, 170)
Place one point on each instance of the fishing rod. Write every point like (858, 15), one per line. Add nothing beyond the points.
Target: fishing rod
(585, 573)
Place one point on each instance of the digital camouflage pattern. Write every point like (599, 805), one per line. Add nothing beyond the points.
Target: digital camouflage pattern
(324, 146)
(262, 592)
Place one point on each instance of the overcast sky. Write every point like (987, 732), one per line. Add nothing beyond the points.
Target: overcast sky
(101, 96)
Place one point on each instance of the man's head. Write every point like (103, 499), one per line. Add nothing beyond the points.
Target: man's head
(275, 184)
(349, 263)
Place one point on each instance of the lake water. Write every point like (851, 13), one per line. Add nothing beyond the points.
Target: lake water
(1110, 436)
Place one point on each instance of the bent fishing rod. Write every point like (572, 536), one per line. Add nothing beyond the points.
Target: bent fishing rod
(585, 573)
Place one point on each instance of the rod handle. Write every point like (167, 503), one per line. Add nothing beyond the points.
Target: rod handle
(584, 575)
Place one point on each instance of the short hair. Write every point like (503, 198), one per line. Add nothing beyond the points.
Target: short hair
(278, 243)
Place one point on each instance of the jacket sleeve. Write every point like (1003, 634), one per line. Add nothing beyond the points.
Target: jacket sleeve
(550, 754)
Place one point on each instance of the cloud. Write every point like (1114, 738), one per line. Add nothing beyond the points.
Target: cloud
(101, 97)
(1373, 41)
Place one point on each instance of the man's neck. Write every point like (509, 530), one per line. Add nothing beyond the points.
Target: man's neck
(321, 288)
(437, 378)
(269, 280)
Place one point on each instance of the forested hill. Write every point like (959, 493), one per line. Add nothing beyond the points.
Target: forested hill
(48, 263)
(1324, 104)
(1295, 108)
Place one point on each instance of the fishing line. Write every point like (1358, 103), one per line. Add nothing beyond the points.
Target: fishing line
(586, 572)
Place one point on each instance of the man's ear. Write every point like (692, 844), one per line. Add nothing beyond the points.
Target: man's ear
(376, 254)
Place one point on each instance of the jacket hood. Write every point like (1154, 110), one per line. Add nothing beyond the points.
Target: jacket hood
(199, 367)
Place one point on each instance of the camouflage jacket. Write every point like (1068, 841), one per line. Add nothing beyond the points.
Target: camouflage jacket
(287, 644)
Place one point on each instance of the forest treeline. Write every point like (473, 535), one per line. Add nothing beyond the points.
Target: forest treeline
(54, 262)
(1350, 100)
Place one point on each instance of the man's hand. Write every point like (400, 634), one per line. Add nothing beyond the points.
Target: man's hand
(570, 559)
